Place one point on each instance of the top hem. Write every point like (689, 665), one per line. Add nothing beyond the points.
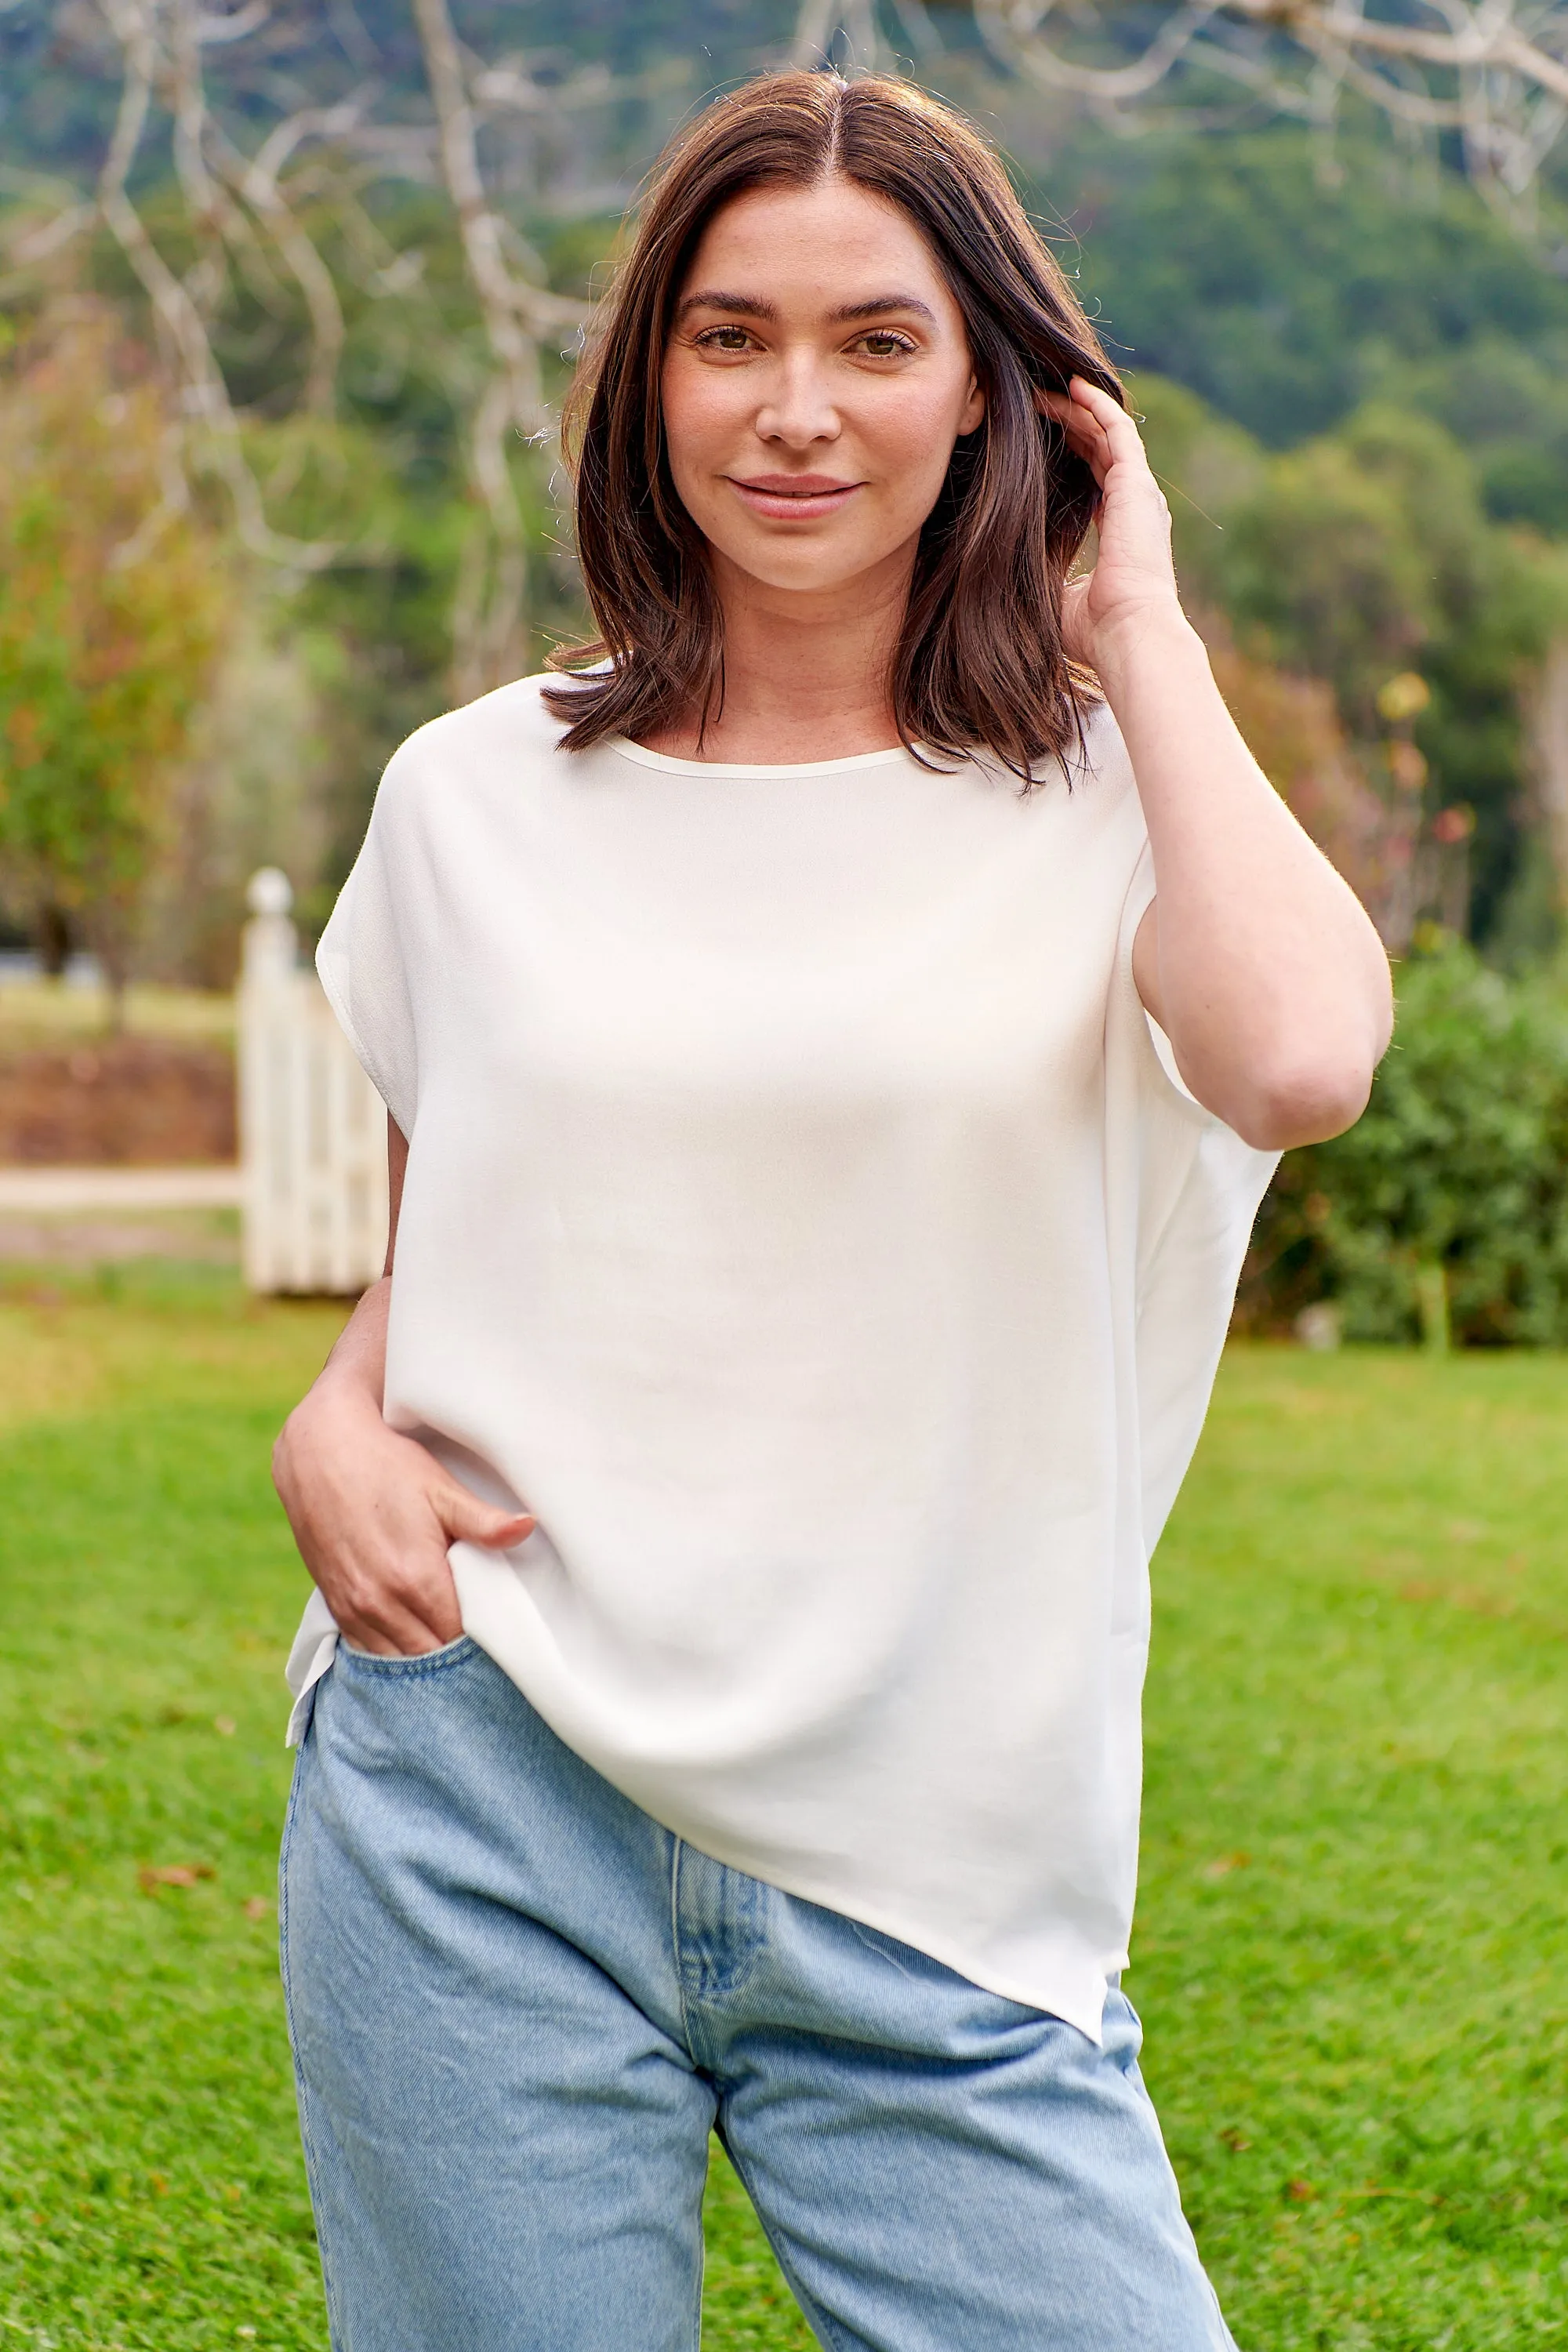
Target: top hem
(1083, 2008)
(1072, 1979)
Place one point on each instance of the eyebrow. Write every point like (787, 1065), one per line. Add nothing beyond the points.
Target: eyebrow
(739, 306)
(849, 312)
(751, 306)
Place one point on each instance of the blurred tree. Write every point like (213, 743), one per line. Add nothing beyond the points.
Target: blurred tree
(1366, 555)
(1295, 734)
(113, 603)
(1488, 77)
(1365, 558)
(246, 180)
(1455, 1182)
(1325, 563)
(1286, 296)
(354, 240)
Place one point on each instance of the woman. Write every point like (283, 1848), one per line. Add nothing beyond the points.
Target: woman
(835, 1039)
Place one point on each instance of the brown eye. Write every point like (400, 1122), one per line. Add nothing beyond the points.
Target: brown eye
(883, 344)
(724, 338)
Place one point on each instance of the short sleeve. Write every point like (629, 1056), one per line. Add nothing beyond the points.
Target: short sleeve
(363, 963)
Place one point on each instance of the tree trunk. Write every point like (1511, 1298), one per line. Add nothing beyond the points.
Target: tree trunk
(52, 935)
(1546, 713)
(110, 936)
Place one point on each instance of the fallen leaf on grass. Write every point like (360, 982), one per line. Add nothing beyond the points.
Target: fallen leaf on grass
(1300, 2191)
(225, 1724)
(1234, 2140)
(257, 1906)
(173, 1874)
(1223, 1864)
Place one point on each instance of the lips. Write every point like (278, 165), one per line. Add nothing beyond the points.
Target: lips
(794, 497)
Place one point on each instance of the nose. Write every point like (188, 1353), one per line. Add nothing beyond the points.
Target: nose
(799, 409)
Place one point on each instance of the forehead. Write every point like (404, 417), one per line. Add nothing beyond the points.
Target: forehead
(817, 248)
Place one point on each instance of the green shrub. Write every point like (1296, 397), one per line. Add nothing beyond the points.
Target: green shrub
(1448, 1203)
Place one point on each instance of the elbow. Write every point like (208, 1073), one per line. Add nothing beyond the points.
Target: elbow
(1315, 1079)
(1305, 1099)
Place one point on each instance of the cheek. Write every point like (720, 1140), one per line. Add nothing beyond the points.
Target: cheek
(909, 434)
(696, 415)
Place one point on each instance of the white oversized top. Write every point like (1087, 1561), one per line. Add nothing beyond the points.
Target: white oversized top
(803, 1219)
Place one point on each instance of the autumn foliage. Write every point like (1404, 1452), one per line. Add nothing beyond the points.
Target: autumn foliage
(113, 604)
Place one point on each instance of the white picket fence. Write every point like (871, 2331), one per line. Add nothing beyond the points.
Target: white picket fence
(312, 1128)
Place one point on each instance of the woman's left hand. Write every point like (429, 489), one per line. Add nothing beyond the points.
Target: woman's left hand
(1134, 580)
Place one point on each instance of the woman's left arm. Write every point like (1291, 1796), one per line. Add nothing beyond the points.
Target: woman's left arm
(1257, 959)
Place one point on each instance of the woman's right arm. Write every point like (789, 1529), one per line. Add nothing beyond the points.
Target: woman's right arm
(373, 1512)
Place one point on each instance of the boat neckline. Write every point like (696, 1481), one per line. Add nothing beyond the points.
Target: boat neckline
(645, 758)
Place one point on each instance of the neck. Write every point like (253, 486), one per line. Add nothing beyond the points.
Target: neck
(807, 674)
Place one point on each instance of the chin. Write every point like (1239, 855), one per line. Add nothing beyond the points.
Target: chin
(800, 580)
(799, 568)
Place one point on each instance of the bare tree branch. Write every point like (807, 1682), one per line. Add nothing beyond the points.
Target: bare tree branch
(492, 592)
(257, 182)
(284, 215)
(204, 395)
(1495, 71)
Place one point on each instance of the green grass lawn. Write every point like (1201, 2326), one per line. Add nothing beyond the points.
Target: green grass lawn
(1352, 1942)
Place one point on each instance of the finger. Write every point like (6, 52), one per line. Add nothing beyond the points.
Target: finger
(431, 1601)
(388, 1629)
(1126, 441)
(1074, 420)
(465, 1519)
(401, 1603)
(1084, 436)
(1098, 402)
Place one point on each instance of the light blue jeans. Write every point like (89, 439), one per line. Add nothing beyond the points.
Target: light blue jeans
(518, 2005)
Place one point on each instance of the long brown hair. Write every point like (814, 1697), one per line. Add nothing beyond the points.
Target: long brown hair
(980, 663)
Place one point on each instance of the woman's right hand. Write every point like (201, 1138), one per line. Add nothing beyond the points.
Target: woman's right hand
(372, 1511)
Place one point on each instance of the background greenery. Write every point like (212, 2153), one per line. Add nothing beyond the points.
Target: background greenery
(1353, 376)
(1456, 1175)
(1375, 433)
(1351, 1933)
(1352, 1929)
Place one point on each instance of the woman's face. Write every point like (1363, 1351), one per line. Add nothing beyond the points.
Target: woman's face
(816, 377)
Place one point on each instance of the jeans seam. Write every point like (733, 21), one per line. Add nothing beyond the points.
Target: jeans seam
(695, 2340)
(675, 1850)
(306, 2142)
(825, 2329)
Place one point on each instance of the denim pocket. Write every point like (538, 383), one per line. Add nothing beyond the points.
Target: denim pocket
(429, 1662)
